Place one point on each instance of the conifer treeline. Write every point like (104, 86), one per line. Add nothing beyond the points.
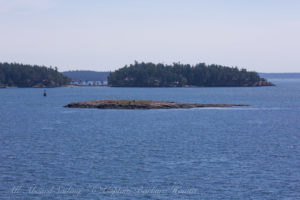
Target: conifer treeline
(179, 75)
(137, 75)
(20, 75)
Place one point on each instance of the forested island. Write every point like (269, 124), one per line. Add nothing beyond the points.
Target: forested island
(20, 75)
(184, 75)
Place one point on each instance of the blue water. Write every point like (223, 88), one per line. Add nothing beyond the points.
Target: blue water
(51, 152)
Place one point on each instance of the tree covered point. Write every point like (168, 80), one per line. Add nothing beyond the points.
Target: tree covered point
(20, 75)
(183, 75)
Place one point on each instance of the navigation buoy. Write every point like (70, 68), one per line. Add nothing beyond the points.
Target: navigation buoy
(45, 93)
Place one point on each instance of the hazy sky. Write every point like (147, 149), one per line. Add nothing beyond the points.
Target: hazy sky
(261, 35)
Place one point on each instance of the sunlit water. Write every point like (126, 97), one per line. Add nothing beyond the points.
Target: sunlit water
(51, 152)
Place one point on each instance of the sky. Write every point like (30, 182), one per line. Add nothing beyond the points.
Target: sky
(104, 35)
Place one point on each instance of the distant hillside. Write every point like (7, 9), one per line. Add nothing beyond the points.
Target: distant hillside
(280, 75)
(183, 75)
(86, 75)
(20, 75)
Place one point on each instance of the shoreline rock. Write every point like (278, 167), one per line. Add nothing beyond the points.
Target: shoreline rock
(143, 104)
(261, 83)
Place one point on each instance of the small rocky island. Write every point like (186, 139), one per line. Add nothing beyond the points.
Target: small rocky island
(142, 104)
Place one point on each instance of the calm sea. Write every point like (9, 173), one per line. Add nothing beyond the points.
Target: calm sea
(51, 152)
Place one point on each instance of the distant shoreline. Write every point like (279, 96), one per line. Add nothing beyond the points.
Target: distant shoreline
(270, 76)
(280, 75)
(7, 87)
(87, 86)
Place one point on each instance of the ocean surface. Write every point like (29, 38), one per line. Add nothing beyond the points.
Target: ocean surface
(51, 152)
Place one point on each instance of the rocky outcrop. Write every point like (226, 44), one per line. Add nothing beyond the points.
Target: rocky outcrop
(140, 104)
(262, 82)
